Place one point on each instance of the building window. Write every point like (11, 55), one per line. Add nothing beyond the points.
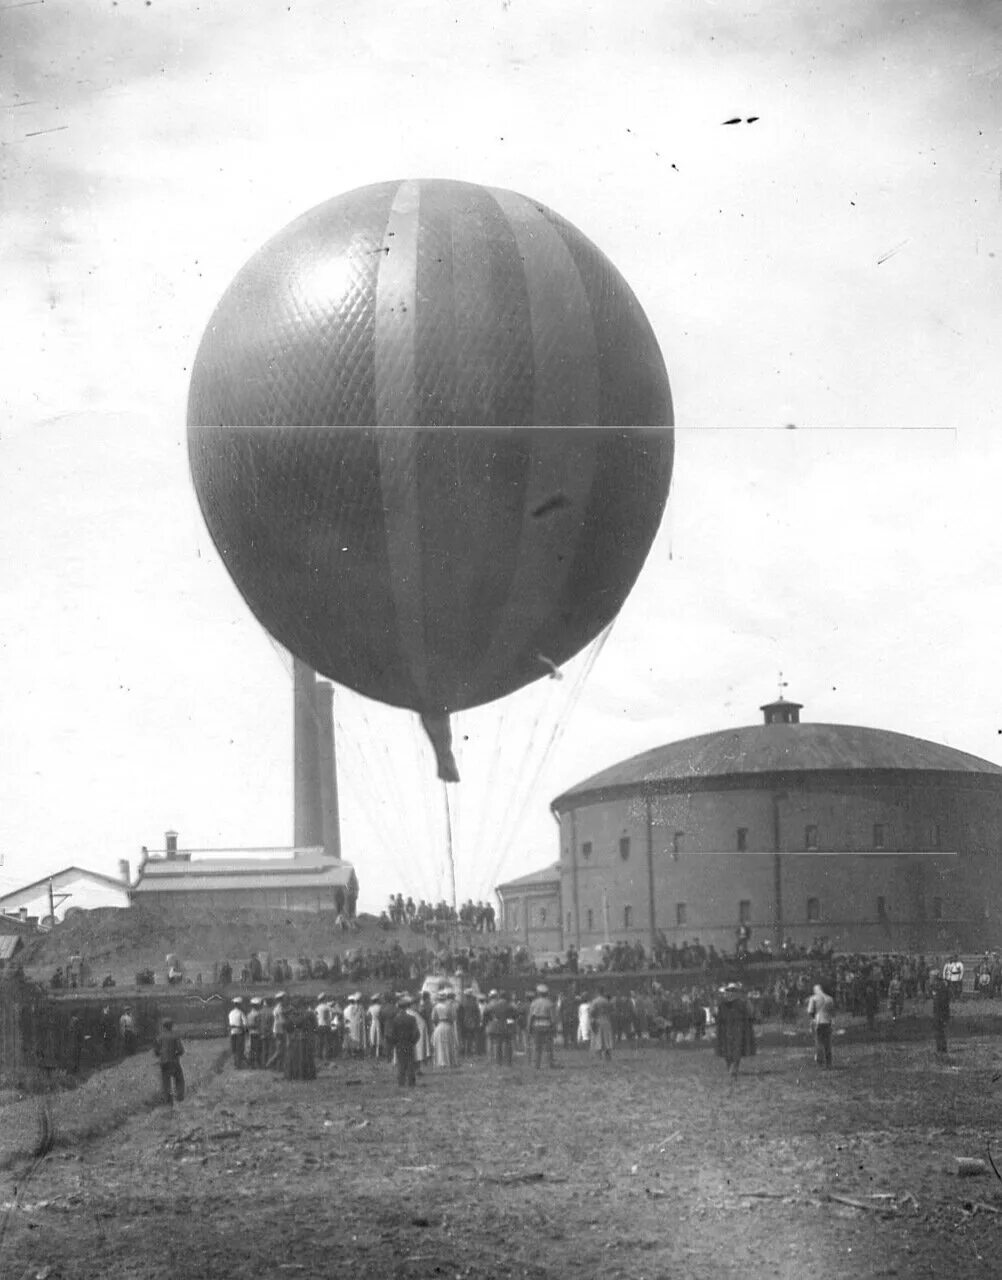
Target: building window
(568, 922)
(513, 920)
(933, 835)
(744, 911)
(811, 837)
(586, 849)
(542, 915)
(624, 847)
(813, 910)
(627, 917)
(881, 907)
(878, 835)
(937, 908)
(742, 839)
(681, 913)
(677, 841)
(590, 919)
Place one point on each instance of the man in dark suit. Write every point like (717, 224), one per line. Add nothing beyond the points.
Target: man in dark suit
(940, 1010)
(403, 1035)
(735, 1032)
(169, 1049)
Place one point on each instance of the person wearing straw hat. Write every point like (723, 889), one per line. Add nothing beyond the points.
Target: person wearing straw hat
(600, 1025)
(238, 1030)
(495, 1027)
(373, 1026)
(324, 1015)
(354, 1021)
(267, 1039)
(279, 1032)
(444, 1040)
(254, 1019)
(540, 1024)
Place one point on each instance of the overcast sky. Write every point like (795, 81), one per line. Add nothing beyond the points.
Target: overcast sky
(834, 266)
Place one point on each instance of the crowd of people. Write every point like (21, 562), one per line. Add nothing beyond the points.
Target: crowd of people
(452, 1025)
(391, 964)
(429, 917)
(463, 1022)
(853, 978)
(448, 1023)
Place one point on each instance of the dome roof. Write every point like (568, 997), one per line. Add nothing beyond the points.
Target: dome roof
(756, 750)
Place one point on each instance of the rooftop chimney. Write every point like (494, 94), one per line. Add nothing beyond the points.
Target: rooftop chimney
(781, 711)
(327, 762)
(170, 843)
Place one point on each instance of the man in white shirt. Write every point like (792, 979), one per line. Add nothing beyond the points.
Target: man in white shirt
(821, 1011)
(238, 1030)
(325, 1018)
(954, 974)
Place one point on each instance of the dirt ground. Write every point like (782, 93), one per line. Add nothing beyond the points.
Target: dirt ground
(655, 1165)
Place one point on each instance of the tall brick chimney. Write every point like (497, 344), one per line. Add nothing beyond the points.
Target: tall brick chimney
(307, 805)
(327, 761)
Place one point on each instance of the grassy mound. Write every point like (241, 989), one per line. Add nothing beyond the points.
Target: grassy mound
(121, 942)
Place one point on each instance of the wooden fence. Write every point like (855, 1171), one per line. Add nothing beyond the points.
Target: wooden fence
(38, 1033)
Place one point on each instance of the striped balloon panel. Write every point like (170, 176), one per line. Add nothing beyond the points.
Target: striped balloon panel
(435, 569)
(429, 303)
(430, 568)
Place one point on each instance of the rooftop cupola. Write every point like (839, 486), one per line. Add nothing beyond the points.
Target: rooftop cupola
(781, 711)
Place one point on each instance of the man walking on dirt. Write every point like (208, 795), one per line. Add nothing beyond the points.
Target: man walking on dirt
(821, 1010)
(542, 1016)
(496, 1016)
(940, 1010)
(403, 1034)
(238, 1030)
(735, 1033)
(325, 1016)
(127, 1031)
(953, 971)
(169, 1049)
(254, 1017)
(279, 1033)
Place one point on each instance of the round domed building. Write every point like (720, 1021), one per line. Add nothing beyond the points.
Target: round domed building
(874, 840)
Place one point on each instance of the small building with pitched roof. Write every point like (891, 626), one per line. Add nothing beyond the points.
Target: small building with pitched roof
(70, 888)
(288, 880)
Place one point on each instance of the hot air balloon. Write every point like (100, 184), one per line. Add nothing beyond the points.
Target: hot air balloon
(429, 428)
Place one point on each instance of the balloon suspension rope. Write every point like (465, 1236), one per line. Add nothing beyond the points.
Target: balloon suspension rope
(448, 843)
(522, 792)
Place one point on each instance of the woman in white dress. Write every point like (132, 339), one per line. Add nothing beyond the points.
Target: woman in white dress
(354, 1024)
(444, 1040)
(374, 1026)
(584, 1022)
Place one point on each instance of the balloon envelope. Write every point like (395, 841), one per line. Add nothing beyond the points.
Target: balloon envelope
(369, 528)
